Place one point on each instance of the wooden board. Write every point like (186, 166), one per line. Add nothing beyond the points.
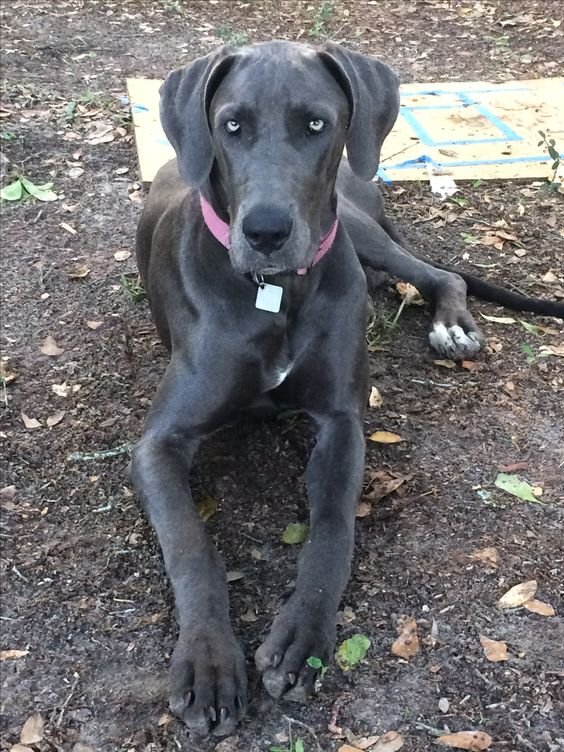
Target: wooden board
(467, 130)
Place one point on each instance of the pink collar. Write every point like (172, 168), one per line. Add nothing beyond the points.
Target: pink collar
(220, 230)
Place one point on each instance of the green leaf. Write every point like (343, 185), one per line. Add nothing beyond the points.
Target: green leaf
(543, 134)
(470, 239)
(296, 532)
(7, 135)
(70, 110)
(531, 328)
(299, 746)
(12, 192)
(317, 663)
(553, 153)
(528, 350)
(515, 486)
(352, 651)
(40, 192)
(498, 319)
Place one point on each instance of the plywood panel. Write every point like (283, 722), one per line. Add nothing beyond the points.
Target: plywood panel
(468, 130)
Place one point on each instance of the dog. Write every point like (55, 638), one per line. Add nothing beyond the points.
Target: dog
(253, 248)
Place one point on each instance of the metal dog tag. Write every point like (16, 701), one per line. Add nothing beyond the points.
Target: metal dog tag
(269, 297)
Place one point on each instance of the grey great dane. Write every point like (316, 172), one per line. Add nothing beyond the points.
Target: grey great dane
(251, 247)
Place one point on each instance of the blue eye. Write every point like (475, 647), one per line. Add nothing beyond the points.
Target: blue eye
(232, 126)
(316, 126)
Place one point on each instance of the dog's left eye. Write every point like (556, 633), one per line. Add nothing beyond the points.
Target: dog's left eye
(232, 126)
(316, 125)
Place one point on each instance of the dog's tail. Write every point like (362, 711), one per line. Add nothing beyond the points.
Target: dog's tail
(486, 290)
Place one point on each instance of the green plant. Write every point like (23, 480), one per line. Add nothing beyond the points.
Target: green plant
(132, 286)
(321, 18)
(22, 188)
(380, 328)
(553, 153)
(7, 135)
(230, 36)
(317, 663)
(294, 746)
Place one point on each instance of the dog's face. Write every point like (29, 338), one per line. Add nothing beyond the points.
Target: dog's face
(262, 129)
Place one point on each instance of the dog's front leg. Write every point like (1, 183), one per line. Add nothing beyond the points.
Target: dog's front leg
(208, 677)
(306, 625)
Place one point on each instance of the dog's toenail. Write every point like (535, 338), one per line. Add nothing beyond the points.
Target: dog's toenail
(189, 698)
(238, 703)
(276, 658)
(291, 678)
(212, 714)
(224, 714)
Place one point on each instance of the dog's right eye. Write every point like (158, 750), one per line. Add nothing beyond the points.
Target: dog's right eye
(232, 126)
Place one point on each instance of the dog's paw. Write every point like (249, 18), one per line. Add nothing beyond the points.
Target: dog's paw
(299, 632)
(208, 682)
(456, 336)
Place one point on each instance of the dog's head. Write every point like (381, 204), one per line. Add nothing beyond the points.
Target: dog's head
(263, 128)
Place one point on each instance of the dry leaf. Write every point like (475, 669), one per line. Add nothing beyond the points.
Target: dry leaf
(51, 348)
(472, 740)
(445, 363)
(539, 607)
(20, 748)
(488, 556)
(12, 654)
(444, 705)
(407, 644)
(375, 399)
(5, 374)
(30, 423)
(164, 719)
(7, 493)
(348, 748)
(549, 277)
(32, 730)
(61, 390)
(57, 417)
(518, 595)
(79, 272)
(68, 228)
(122, 255)
(493, 649)
(75, 172)
(234, 576)
(94, 324)
(390, 742)
(385, 437)
(382, 484)
(557, 350)
(207, 507)
(469, 365)
(409, 293)
(363, 509)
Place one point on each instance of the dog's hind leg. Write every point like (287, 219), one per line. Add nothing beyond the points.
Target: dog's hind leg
(454, 333)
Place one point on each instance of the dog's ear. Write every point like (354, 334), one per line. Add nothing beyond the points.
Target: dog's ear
(186, 95)
(373, 93)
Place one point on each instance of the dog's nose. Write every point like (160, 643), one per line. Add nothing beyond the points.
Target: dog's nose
(267, 228)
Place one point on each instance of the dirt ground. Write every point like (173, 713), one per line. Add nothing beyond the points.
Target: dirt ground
(83, 586)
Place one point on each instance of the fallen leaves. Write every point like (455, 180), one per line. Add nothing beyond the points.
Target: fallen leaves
(385, 437)
(518, 595)
(79, 272)
(516, 486)
(445, 363)
(409, 294)
(122, 255)
(24, 188)
(538, 607)
(32, 730)
(51, 348)
(472, 740)
(6, 655)
(56, 418)
(352, 651)
(295, 532)
(494, 650)
(375, 399)
(207, 507)
(30, 423)
(389, 742)
(383, 483)
(407, 644)
(488, 556)
(498, 319)
(94, 324)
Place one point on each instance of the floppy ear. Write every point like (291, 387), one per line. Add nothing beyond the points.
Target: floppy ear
(373, 93)
(186, 95)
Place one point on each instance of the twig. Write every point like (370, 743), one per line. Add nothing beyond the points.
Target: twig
(430, 729)
(100, 454)
(301, 724)
(66, 702)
